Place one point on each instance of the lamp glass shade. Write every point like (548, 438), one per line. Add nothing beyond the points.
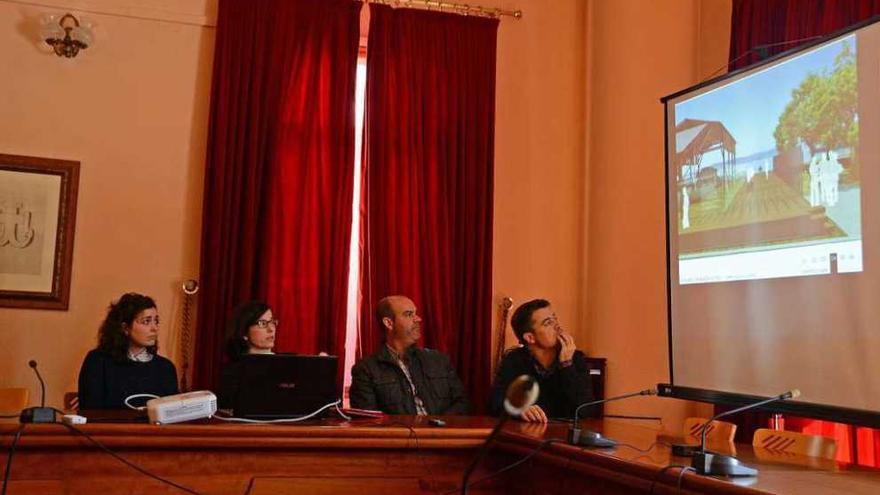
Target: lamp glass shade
(51, 29)
(81, 34)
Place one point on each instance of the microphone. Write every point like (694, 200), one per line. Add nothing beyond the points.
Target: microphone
(33, 364)
(521, 394)
(40, 414)
(718, 464)
(590, 438)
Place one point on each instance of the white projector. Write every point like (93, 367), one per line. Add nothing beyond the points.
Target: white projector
(182, 407)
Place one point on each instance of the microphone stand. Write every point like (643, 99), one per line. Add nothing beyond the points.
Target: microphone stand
(589, 438)
(521, 394)
(726, 465)
(484, 449)
(40, 414)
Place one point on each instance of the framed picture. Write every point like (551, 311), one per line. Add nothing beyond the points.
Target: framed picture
(37, 220)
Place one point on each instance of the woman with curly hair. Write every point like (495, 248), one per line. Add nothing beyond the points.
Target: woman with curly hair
(126, 362)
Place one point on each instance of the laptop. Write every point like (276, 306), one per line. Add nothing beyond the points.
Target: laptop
(285, 385)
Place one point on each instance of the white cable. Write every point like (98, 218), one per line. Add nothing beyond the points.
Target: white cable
(138, 396)
(339, 410)
(281, 420)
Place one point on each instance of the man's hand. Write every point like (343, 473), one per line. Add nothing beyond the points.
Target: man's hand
(566, 351)
(534, 414)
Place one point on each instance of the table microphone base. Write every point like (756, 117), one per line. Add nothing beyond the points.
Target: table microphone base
(588, 438)
(721, 465)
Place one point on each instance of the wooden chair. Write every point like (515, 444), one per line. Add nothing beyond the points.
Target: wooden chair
(718, 431)
(793, 443)
(13, 400)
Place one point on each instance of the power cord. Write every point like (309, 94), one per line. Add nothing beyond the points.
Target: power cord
(512, 465)
(681, 476)
(643, 451)
(648, 453)
(286, 420)
(127, 462)
(10, 455)
(657, 476)
(413, 435)
(138, 396)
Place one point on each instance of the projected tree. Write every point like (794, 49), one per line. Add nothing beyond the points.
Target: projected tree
(822, 110)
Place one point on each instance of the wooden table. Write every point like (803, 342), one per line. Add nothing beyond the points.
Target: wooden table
(561, 468)
(395, 455)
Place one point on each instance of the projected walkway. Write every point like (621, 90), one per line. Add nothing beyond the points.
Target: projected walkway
(763, 211)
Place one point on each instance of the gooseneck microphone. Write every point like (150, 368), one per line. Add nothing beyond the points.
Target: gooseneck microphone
(33, 364)
(591, 438)
(40, 414)
(718, 464)
(521, 394)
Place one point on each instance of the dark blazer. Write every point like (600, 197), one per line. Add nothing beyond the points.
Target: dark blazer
(378, 383)
(562, 389)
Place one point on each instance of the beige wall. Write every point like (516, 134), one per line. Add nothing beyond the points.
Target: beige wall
(640, 51)
(539, 157)
(132, 109)
(579, 181)
(579, 165)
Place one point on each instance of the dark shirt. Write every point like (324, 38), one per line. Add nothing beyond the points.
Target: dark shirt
(378, 383)
(230, 382)
(562, 388)
(105, 383)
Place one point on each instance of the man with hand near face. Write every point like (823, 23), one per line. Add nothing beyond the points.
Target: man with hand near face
(401, 378)
(548, 354)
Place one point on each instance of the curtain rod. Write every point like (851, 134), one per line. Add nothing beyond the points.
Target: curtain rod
(458, 8)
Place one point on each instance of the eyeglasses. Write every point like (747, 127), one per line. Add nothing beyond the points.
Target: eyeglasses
(266, 323)
(148, 320)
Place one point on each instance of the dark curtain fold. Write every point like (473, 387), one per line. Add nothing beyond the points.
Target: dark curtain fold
(787, 24)
(267, 163)
(429, 154)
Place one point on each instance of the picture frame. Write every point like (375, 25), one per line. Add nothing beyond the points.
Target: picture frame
(37, 225)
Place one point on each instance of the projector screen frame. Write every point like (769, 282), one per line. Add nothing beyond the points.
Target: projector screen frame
(771, 59)
(838, 414)
(804, 409)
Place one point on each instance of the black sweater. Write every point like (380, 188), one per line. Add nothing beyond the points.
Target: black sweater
(105, 383)
(561, 390)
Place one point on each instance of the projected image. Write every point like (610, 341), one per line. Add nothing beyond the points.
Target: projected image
(767, 172)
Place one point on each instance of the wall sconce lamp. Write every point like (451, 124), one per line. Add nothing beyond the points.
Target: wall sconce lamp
(65, 35)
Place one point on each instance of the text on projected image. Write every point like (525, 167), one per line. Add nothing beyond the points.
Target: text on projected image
(768, 172)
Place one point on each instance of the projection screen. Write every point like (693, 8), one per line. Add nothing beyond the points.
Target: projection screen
(772, 182)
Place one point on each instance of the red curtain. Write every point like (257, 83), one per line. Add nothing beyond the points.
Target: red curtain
(788, 23)
(280, 139)
(429, 152)
(776, 22)
(305, 246)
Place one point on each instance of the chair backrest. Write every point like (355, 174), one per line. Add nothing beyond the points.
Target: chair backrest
(13, 400)
(717, 431)
(790, 442)
(71, 401)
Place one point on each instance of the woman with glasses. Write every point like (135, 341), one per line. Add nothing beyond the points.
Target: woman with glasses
(250, 331)
(126, 362)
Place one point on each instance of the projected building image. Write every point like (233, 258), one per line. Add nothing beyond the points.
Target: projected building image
(767, 172)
